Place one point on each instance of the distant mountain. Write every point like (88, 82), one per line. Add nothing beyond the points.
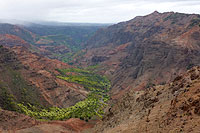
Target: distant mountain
(17, 31)
(62, 41)
(44, 88)
(136, 67)
(146, 50)
(54, 23)
(15, 22)
(50, 23)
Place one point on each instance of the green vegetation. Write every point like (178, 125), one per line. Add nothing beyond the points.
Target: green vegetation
(86, 78)
(23, 92)
(74, 50)
(175, 17)
(7, 100)
(61, 39)
(190, 66)
(84, 110)
(14, 89)
(13, 30)
(93, 68)
(93, 105)
(178, 16)
(69, 57)
(17, 95)
(195, 22)
(72, 37)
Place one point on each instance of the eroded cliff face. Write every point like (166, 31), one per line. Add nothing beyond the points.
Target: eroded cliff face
(135, 55)
(41, 72)
(29, 78)
(24, 69)
(172, 107)
(146, 50)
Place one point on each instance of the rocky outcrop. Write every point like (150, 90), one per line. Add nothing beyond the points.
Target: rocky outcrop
(13, 121)
(12, 40)
(172, 107)
(146, 50)
(97, 59)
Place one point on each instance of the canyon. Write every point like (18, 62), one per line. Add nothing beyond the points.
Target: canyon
(144, 74)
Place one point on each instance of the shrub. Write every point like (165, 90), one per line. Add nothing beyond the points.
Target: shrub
(93, 105)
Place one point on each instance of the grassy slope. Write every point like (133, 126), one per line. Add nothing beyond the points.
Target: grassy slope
(73, 37)
(92, 106)
(13, 87)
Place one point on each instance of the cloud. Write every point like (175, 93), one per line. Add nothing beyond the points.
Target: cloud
(101, 11)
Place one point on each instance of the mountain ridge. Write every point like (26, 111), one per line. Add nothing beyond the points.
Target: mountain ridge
(145, 50)
(172, 107)
(144, 58)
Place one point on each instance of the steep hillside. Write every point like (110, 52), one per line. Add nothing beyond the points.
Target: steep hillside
(17, 31)
(174, 107)
(12, 40)
(74, 35)
(62, 42)
(31, 78)
(18, 123)
(146, 50)
(46, 89)
(141, 57)
(10, 120)
(56, 41)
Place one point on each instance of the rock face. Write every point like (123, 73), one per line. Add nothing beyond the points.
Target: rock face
(41, 72)
(173, 107)
(28, 77)
(12, 120)
(135, 55)
(22, 69)
(146, 50)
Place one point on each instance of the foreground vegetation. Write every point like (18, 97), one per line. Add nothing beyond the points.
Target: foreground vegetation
(85, 110)
(92, 106)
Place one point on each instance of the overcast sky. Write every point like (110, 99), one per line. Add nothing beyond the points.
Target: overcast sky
(93, 11)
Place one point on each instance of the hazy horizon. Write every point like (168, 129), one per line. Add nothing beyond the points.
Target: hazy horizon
(90, 11)
(46, 22)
